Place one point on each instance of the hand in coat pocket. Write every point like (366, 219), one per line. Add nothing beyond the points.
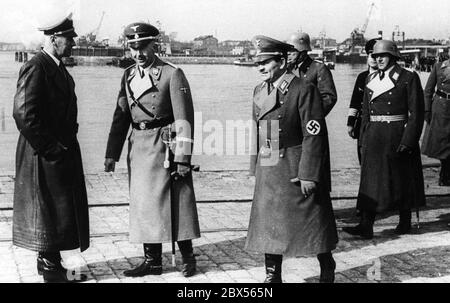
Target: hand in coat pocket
(56, 152)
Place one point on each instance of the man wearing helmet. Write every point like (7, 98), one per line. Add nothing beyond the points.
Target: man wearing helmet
(354, 114)
(315, 72)
(392, 121)
(155, 100)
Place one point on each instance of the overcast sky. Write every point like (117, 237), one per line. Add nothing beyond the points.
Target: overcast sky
(232, 19)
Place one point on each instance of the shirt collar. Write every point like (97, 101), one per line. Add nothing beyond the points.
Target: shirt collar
(57, 61)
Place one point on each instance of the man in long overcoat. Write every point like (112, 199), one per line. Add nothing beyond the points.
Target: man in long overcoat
(392, 121)
(155, 100)
(291, 212)
(354, 113)
(436, 143)
(50, 201)
(315, 72)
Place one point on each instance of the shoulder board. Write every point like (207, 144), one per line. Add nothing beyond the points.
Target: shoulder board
(170, 64)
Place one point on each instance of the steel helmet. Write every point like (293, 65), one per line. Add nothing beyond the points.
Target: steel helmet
(300, 41)
(386, 47)
(370, 44)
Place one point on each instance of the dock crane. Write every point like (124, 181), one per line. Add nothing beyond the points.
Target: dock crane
(91, 38)
(358, 33)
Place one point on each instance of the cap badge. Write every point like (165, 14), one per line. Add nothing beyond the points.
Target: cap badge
(135, 27)
(258, 42)
(136, 36)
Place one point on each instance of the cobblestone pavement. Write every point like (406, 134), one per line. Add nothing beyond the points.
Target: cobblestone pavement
(422, 256)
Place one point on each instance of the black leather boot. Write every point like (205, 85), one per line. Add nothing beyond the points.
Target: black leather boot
(327, 267)
(444, 175)
(49, 266)
(189, 263)
(273, 268)
(365, 228)
(152, 264)
(404, 225)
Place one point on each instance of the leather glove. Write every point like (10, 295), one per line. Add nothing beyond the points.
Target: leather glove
(110, 165)
(183, 169)
(307, 187)
(428, 117)
(403, 149)
(351, 132)
(55, 152)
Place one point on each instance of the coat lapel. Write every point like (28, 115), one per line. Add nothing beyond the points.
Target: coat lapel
(55, 73)
(266, 101)
(379, 87)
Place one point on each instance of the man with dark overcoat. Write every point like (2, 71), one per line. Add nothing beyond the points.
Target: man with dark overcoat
(291, 213)
(436, 143)
(315, 72)
(392, 121)
(155, 100)
(354, 113)
(50, 202)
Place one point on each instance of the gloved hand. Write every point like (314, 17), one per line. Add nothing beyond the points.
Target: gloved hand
(403, 149)
(428, 117)
(307, 187)
(110, 165)
(351, 132)
(183, 169)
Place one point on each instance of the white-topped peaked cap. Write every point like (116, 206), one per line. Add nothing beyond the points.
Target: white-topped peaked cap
(59, 26)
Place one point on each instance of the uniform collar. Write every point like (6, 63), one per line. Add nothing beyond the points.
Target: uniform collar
(154, 69)
(57, 61)
(283, 83)
(445, 64)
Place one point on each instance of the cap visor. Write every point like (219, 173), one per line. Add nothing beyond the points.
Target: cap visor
(262, 58)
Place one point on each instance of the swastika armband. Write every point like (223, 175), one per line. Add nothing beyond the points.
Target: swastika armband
(313, 127)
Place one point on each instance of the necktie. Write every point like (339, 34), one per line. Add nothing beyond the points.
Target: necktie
(381, 74)
(270, 87)
(142, 72)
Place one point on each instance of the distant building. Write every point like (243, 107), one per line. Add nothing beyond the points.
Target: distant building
(235, 47)
(181, 48)
(206, 45)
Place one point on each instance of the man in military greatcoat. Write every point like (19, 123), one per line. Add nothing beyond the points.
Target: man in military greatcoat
(315, 72)
(392, 121)
(354, 114)
(291, 212)
(436, 143)
(155, 100)
(50, 201)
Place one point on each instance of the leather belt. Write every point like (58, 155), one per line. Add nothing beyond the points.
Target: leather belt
(145, 125)
(391, 118)
(443, 94)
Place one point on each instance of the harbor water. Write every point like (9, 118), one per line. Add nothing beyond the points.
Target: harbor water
(222, 95)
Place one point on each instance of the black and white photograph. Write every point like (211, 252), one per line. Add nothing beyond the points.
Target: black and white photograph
(201, 143)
